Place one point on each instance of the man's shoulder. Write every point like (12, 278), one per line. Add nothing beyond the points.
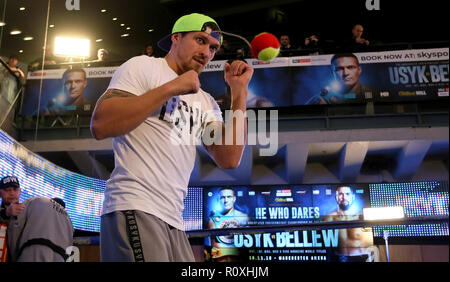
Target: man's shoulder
(143, 60)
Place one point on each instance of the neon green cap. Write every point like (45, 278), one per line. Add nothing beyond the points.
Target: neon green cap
(192, 22)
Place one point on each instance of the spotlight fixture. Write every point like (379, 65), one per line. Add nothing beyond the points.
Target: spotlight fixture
(15, 32)
(103, 10)
(72, 47)
(28, 38)
(51, 26)
(114, 19)
(99, 40)
(125, 35)
(2, 23)
(22, 8)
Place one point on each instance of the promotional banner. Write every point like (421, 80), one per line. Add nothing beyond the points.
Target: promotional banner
(405, 75)
(234, 207)
(65, 91)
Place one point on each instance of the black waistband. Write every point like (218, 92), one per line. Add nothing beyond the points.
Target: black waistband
(45, 242)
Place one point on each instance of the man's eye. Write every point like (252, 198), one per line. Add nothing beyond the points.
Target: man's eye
(200, 40)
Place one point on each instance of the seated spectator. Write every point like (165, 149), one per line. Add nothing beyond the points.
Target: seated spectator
(313, 43)
(286, 48)
(357, 42)
(224, 48)
(102, 55)
(148, 50)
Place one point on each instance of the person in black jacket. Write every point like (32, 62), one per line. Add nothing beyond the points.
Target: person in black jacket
(10, 193)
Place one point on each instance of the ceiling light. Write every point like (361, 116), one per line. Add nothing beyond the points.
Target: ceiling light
(102, 10)
(20, 51)
(2, 23)
(51, 26)
(28, 38)
(122, 24)
(15, 32)
(72, 47)
(114, 19)
(128, 28)
(151, 30)
(99, 40)
(125, 35)
(22, 8)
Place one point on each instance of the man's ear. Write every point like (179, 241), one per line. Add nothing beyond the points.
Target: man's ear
(176, 37)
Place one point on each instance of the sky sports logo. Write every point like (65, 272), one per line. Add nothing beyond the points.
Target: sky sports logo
(299, 61)
(284, 193)
(443, 92)
(258, 62)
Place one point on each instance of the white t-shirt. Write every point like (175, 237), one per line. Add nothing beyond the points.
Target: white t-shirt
(153, 162)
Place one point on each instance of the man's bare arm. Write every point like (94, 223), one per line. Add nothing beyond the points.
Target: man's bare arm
(119, 112)
(228, 156)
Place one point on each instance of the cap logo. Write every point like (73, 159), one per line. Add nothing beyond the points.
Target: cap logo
(208, 30)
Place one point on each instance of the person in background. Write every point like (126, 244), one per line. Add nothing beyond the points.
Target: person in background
(356, 43)
(286, 47)
(41, 233)
(148, 50)
(102, 55)
(10, 193)
(13, 62)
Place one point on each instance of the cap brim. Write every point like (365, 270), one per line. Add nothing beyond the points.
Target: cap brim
(165, 43)
(13, 184)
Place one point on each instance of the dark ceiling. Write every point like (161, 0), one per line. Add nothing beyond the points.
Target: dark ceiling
(397, 21)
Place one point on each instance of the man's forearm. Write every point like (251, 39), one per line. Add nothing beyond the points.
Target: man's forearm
(234, 135)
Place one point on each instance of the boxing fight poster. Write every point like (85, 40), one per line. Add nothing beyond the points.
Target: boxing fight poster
(65, 91)
(256, 206)
(405, 75)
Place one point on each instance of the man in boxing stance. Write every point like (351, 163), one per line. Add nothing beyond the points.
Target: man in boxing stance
(150, 104)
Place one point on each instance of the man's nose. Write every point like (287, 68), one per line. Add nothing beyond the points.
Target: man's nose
(204, 51)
